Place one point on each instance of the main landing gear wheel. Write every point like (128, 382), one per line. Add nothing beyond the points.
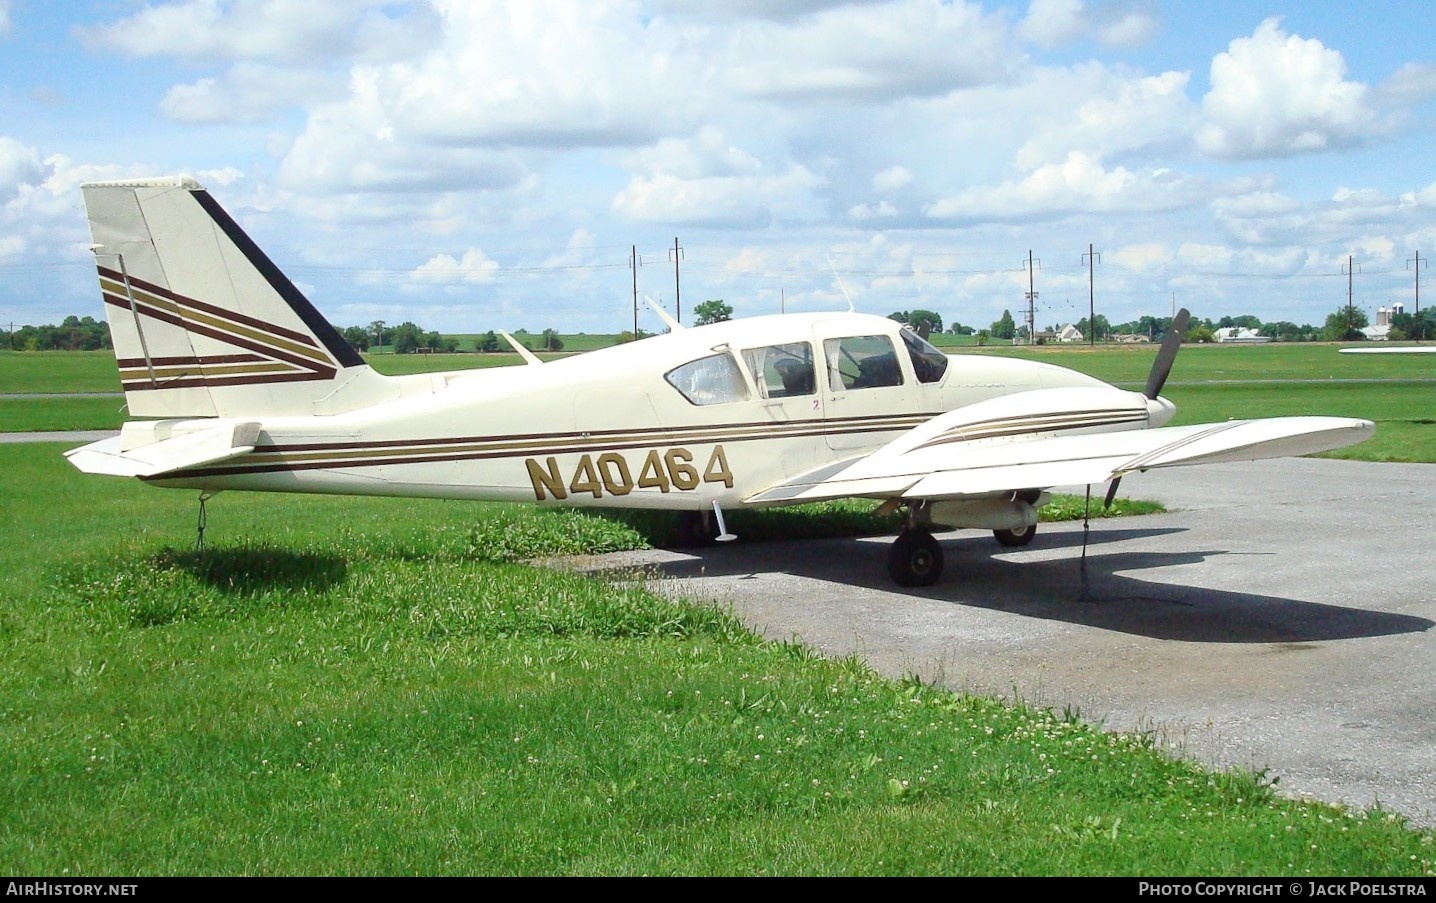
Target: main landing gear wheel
(915, 559)
(1013, 538)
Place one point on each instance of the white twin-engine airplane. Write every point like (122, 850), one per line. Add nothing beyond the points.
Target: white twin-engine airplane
(251, 389)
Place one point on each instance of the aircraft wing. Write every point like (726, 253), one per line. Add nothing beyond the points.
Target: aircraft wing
(143, 450)
(925, 465)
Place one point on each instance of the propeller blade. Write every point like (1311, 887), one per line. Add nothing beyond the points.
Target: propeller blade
(1111, 493)
(1167, 354)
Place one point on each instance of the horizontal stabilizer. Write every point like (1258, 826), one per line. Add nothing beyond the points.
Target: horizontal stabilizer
(120, 456)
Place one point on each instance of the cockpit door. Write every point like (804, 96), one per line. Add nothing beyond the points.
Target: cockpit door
(867, 387)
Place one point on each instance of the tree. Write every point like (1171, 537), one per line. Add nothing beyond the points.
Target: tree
(1345, 325)
(925, 322)
(551, 341)
(712, 311)
(378, 328)
(1004, 328)
(1101, 330)
(488, 342)
(1245, 321)
(407, 337)
(1409, 326)
(357, 336)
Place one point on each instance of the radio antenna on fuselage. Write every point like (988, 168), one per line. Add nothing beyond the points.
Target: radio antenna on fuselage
(840, 283)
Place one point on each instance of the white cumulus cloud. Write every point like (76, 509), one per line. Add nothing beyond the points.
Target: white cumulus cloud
(1275, 94)
(1052, 23)
(1079, 183)
(473, 266)
(892, 178)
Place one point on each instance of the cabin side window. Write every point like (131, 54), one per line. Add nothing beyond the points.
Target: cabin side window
(927, 362)
(715, 379)
(861, 362)
(782, 371)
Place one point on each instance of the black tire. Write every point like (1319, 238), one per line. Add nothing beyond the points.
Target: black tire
(915, 559)
(1014, 539)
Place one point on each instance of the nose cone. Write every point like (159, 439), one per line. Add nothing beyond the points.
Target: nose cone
(1159, 411)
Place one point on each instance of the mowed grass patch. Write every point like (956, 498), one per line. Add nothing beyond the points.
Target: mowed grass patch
(20, 415)
(369, 686)
(58, 371)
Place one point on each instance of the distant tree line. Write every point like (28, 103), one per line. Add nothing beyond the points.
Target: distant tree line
(409, 338)
(1342, 325)
(75, 334)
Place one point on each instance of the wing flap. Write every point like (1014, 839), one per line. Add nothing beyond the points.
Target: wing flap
(120, 456)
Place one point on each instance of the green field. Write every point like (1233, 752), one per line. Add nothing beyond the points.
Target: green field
(58, 371)
(352, 686)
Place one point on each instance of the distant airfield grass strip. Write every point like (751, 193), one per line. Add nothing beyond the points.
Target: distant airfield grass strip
(58, 413)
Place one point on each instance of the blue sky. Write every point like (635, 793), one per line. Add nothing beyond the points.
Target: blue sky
(490, 165)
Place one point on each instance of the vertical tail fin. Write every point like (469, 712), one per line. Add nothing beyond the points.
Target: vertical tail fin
(203, 323)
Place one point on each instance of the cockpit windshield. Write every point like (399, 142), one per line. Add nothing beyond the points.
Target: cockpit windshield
(715, 379)
(927, 362)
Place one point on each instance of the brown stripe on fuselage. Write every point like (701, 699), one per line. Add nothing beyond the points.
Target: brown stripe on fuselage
(350, 455)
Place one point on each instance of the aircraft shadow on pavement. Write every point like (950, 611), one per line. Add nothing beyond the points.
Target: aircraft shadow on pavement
(981, 575)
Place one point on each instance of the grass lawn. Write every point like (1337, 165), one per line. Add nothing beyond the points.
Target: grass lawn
(351, 686)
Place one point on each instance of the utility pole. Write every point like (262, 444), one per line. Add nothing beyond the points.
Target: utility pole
(1420, 330)
(1092, 258)
(677, 298)
(1031, 297)
(633, 264)
(1350, 270)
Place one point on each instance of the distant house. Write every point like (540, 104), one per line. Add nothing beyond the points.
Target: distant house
(1069, 333)
(1239, 335)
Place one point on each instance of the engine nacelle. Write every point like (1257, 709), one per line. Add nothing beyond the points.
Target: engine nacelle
(987, 513)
